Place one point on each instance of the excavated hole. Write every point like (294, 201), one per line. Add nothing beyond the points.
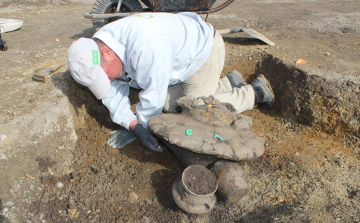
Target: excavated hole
(305, 173)
(330, 106)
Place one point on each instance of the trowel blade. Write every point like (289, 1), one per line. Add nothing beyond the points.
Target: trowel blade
(121, 138)
(251, 32)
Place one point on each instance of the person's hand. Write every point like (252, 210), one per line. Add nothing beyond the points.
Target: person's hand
(146, 139)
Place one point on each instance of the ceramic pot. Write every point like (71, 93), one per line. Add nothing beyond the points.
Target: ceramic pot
(190, 201)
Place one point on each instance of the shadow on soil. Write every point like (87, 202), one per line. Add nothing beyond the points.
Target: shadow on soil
(243, 41)
(161, 179)
(87, 33)
(268, 214)
(3, 219)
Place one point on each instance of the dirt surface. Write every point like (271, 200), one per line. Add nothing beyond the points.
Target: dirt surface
(308, 173)
(199, 180)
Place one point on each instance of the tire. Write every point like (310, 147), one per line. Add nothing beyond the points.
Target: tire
(109, 6)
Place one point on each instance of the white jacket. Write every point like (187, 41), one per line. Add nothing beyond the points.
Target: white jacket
(157, 50)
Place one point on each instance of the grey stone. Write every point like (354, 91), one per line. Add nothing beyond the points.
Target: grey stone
(215, 130)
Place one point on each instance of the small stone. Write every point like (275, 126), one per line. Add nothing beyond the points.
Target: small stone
(133, 197)
(145, 219)
(131, 170)
(71, 203)
(250, 58)
(3, 137)
(57, 40)
(60, 185)
(327, 54)
(73, 213)
(297, 154)
(30, 176)
(135, 175)
(45, 199)
(9, 203)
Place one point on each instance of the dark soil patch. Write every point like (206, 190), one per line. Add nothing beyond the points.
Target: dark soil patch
(199, 180)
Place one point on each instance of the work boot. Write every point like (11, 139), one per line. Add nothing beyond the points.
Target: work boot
(236, 79)
(264, 94)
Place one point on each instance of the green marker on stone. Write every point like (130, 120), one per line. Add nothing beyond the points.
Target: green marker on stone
(188, 132)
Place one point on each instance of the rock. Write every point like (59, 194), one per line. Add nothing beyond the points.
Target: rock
(73, 213)
(132, 197)
(60, 185)
(215, 130)
(9, 203)
(45, 199)
(71, 203)
(243, 122)
(232, 185)
(145, 219)
(3, 137)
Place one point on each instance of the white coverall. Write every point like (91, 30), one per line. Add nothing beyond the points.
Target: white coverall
(159, 50)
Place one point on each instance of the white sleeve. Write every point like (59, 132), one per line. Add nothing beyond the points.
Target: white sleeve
(118, 103)
(153, 64)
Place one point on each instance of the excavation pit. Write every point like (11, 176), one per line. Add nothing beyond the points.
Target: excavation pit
(306, 137)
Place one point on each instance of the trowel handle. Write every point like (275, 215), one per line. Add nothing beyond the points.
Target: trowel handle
(230, 30)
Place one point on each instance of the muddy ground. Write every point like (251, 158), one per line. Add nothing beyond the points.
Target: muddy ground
(56, 165)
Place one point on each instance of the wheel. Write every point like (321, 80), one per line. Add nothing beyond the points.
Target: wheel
(109, 6)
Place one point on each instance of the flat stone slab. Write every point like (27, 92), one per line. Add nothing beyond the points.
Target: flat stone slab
(208, 127)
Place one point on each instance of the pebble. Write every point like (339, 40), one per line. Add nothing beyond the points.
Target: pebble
(60, 185)
(45, 199)
(327, 54)
(131, 170)
(9, 203)
(3, 156)
(135, 175)
(3, 137)
(73, 213)
(297, 154)
(57, 40)
(145, 219)
(133, 197)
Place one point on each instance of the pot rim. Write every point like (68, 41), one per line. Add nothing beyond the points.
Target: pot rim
(188, 190)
